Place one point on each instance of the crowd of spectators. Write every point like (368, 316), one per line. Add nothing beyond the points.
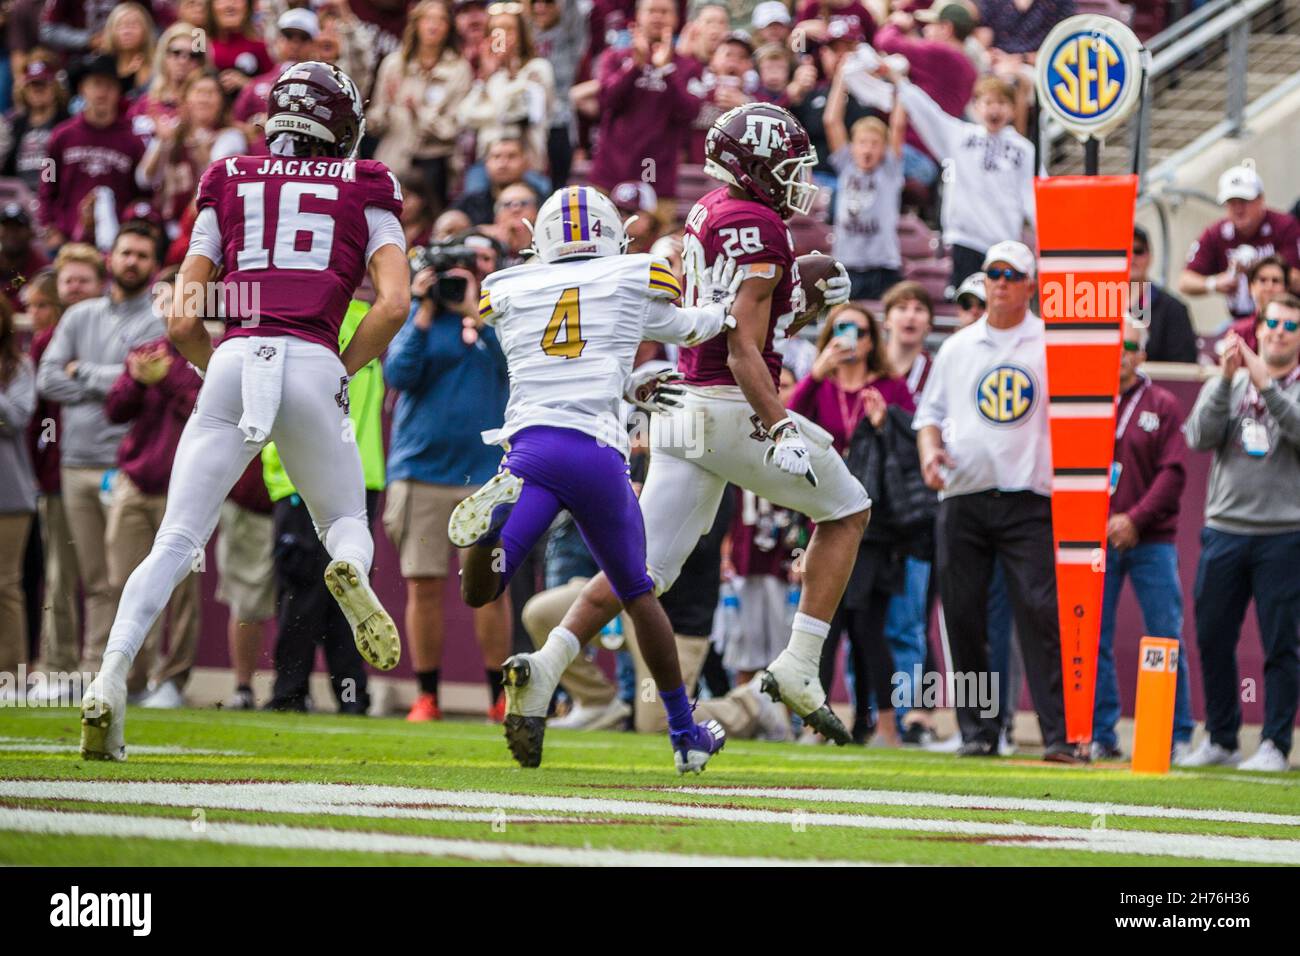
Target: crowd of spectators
(113, 111)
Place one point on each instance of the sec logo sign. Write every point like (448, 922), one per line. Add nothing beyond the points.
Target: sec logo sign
(1005, 395)
(1090, 72)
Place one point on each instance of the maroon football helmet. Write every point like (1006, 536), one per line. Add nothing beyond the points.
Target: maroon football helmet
(320, 102)
(764, 150)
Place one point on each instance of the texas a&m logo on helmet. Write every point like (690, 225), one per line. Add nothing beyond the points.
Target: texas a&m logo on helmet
(762, 149)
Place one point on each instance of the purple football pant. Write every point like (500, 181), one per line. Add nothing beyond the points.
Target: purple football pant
(563, 468)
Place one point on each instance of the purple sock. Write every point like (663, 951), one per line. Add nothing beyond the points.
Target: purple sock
(678, 706)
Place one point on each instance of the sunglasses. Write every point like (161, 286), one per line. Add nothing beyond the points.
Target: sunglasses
(178, 54)
(515, 204)
(1131, 346)
(1010, 275)
(1289, 324)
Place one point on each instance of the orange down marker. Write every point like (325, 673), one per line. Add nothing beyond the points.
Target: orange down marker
(1153, 720)
(1085, 234)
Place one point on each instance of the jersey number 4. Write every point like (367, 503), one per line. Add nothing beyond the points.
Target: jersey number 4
(566, 320)
(290, 223)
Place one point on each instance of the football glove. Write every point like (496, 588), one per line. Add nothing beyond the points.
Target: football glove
(653, 389)
(789, 452)
(837, 287)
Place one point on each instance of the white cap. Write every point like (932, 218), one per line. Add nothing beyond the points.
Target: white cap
(769, 12)
(1240, 182)
(299, 18)
(1015, 254)
(973, 284)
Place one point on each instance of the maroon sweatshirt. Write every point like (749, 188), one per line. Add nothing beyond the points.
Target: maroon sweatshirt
(87, 156)
(158, 413)
(645, 113)
(1150, 452)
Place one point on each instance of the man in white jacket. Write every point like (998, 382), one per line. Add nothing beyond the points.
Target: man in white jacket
(988, 191)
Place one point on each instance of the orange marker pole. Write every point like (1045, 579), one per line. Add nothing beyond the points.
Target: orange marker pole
(1153, 721)
(1085, 232)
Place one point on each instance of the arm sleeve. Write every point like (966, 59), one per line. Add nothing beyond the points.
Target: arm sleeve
(1166, 489)
(933, 409)
(937, 129)
(664, 322)
(18, 401)
(384, 230)
(617, 81)
(52, 381)
(205, 238)
(99, 377)
(1207, 425)
(1203, 258)
(404, 364)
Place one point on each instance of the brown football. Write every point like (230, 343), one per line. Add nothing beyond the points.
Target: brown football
(814, 269)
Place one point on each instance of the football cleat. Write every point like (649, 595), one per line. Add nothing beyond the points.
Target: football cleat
(799, 685)
(693, 748)
(424, 710)
(103, 719)
(528, 697)
(480, 517)
(373, 630)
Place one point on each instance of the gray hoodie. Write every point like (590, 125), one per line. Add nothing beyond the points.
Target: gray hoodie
(17, 402)
(97, 334)
(1249, 494)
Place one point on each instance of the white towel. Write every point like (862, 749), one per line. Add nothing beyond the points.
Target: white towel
(261, 381)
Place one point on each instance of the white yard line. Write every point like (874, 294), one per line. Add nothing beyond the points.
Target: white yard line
(956, 801)
(25, 745)
(410, 802)
(302, 838)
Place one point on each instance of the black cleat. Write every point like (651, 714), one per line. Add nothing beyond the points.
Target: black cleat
(524, 733)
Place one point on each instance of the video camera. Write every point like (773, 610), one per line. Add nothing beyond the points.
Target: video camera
(442, 257)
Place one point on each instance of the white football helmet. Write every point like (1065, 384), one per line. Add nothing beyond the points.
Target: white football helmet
(578, 221)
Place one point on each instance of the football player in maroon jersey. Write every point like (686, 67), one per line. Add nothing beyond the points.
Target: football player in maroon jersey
(732, 426)
(293, 232)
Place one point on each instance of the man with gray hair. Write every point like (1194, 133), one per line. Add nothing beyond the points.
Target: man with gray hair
(1146, 482)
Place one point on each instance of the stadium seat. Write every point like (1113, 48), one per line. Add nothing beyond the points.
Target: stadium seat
(915, 239)
(930, 273)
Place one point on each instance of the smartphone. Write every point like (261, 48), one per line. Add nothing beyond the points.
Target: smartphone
(848, 331)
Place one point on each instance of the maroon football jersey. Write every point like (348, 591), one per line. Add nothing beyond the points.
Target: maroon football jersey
(293, 236)
(749, 232)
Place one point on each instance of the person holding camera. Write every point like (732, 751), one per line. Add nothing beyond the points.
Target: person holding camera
(451, 374)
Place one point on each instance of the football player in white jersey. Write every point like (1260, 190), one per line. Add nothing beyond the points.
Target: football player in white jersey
(570, 328)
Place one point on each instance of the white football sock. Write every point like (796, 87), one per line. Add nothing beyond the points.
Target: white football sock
(807, 637)
(558, 652)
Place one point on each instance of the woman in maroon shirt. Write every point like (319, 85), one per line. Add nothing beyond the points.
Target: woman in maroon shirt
(851, 380)
(175, 60)
(237, 51)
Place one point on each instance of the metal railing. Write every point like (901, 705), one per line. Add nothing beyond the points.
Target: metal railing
(1217, 25)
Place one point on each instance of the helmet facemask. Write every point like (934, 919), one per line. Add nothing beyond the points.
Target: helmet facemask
(795, 174)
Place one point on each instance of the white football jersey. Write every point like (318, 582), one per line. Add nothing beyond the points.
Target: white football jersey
(570, 332)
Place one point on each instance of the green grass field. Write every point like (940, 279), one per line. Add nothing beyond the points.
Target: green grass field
(209, 788)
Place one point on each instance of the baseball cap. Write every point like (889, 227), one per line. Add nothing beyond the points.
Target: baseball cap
(954, 13)
(38, 71)
(1240, 182)
(634, 196)
(845, 28)
(973, 286)
(299, 18)
(15, 212)
(1013, 253)
(769, 12)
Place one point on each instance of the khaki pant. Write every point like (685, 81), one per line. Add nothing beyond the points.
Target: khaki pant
(133, 522)
(13, 609)
(60, 616)
(587, 684)
(87, 522)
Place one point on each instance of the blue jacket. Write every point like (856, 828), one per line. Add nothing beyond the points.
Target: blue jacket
(450, 393)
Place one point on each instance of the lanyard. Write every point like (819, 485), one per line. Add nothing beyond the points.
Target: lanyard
(917, 370)
(851, 419)
(1254, 402)
(1122, 427)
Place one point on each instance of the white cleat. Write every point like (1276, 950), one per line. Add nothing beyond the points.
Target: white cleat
(597, 717)
(103, 720)
(528, 688)
(1267, 757)
(482, 514)
(374, 631)
(166, 696)
(797, 682)
(1210, 754)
